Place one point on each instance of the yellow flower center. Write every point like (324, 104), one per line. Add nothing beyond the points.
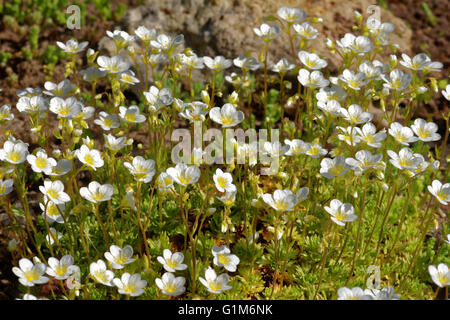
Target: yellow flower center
(15, 156)
(281, 205)
(423, 133)
(227, 120)
(130, 117)
(215, 286)
(61, 270)
(89, 159)
(52, 210)
(101, 275)
(184, 179)
(53, 193)
(171, 263)
(97, 196)
(121, 258)
(223, 259)
(31, 275)
(41, 163)
(170, 287)
(338, 169)
(222, 182)
(443, 278)
(130, 288)
(404, 162)
(340, 216)
(314, 150)
(108, 122)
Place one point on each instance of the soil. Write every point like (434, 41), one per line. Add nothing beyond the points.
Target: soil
(434, 40)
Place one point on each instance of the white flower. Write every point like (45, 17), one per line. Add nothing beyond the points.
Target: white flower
(61, 269)
(355, 293)
(360, 44)
(120, 38)
(95, 192)
(281, 200)
(403, 135)
(331, 168)
(440, 275)
(227, 116)
(166, 43)
(380, 30)
(14, 152)
(312, 60)
(228, 198)
(224, 181)
(142, 170)
(41, 162)
(368, 134)
(65, 108)
(312, 79)
(267, 32)
(315, 150)
(448, 239)
(145, 34)
(72, 46)
(119, 257)
(348, 135)
(246, 63)
(157, 98)
(29, 92)
(131, 114)
(302, 194)
(5, 113)
(356, 115)
(128, 77)
(195, 111)
(335, 92)
(446, 92)
(113, 143)
(306, 31)
(433, 66)
(296, 147)
(370, 70)
(224, 258)
(62, 167)
(52, 213)
(331, 107)
(6, 186)
(215, 284)
(440, 191)
(115, 64)
(397, 80)
(129, 284)
(386, 293)
(30, 274)
(191, 61)
(62, 89)
(100, 273)
(405, 159)
(365, 160)
(107, 121)
(291, 15)
(184, 175)
(164, 182)
(91, 158)
(54, 191)
(35, 104)
(341, 212)
(275, 149)
(419, 62)
(171, 285)
(92, 74)
(353, 80)
(172, 261)
(426, 131)
(217, 64)
(283, 66)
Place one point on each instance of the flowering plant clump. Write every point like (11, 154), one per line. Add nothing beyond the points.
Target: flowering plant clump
(357, 182)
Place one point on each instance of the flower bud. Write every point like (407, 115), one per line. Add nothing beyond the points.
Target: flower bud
(12, 245)
(205, 96)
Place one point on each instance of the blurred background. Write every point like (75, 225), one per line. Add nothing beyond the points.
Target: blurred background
(29, 30)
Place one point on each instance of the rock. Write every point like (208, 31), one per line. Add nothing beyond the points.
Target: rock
(225, 27)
